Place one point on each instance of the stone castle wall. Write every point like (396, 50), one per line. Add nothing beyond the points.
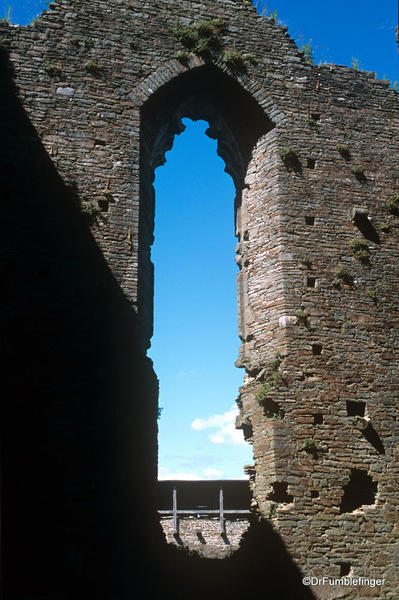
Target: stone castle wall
(203, 535)
(313, 152)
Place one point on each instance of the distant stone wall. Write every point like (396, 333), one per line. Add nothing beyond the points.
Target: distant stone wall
(314, 154)
(203, 535)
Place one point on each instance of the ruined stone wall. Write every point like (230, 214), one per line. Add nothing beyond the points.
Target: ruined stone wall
(317, 230)
(203, 535)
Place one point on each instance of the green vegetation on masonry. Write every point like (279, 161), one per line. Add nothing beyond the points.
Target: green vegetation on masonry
(392, 205)
(277, 416)
(360, 249)
(311, 446)
(273, 16)
(249, 58)
(273, 510)
(355, 64)
(90, 210)
(306, 261)
(287, 154)
(344, 151)
(373, 295)
(385, 227)
(269, 384)
(312, 122)
(52, 70)
(107, 193)
(182, 57)
(36, 20)
(343, 276)
(301, 317)
(203, 37)
(274, 364)
(358, 173)
(235, 60)
(272, 379)
(92, 67)
(308, 53)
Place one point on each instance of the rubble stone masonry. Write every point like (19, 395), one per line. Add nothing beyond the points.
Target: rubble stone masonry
(203, 535)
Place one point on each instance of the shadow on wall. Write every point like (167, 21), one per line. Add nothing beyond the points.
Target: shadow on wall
(261, 568)
(79, 413)
(79, 399)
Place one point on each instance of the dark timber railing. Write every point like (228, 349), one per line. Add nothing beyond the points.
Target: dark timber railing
(200, 511)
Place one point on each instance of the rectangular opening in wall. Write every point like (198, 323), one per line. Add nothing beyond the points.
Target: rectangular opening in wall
(279, 493)
(316, 349)
(355, 408)
(311, 282)
(309, 220)
(311, 163)
(317, 419)
(344, 568)
(272, 409)
(360, 490)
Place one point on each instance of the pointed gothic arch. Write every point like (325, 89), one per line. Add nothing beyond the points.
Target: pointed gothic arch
(237, 119)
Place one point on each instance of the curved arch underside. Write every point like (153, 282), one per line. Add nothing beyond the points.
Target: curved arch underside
(236, 120)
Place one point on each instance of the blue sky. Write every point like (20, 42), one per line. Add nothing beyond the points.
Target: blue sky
(344, 29)
(195, 342)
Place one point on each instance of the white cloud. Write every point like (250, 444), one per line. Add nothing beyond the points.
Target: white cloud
(215, 420)
(212, 472)
(165, 473)
(226, 432)
(228, 435)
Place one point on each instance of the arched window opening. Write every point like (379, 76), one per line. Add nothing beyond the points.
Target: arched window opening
(195, 342)
(218, 103)
(235, 120)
